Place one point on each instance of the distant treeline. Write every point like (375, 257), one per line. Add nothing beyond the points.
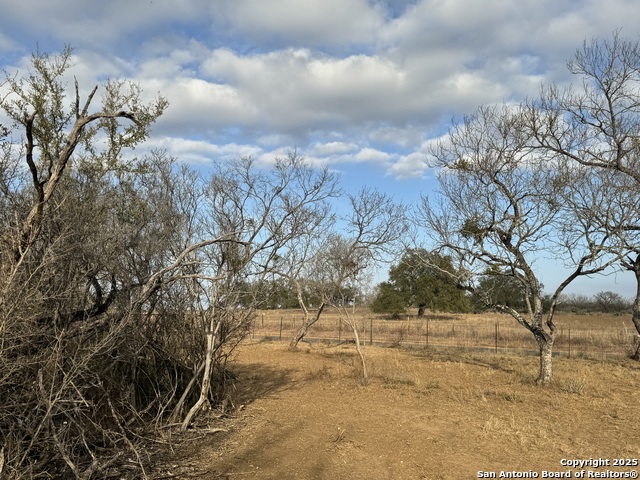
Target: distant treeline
(604, 302)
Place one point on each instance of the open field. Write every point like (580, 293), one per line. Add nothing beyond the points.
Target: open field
(432, 414)
(594, 335)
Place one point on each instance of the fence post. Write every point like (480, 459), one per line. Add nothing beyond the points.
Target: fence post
(496, 336)
(569, 342)
(339, 330)
(427, 335)
(371, 331)
(281, 327)
(263, 320)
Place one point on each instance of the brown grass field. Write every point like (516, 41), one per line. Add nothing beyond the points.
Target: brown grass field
(591, 335)
(436, 413)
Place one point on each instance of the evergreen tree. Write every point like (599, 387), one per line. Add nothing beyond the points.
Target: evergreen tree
(414, 283)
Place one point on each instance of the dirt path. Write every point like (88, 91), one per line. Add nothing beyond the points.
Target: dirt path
(306, 415)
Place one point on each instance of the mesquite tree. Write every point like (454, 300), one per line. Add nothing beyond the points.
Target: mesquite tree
(62, 259)
(501, 207)
(596, 124)
(97, 249)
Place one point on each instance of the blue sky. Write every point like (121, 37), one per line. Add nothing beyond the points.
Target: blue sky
(361, 86)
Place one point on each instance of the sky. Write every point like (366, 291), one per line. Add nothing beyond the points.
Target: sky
(361, 86)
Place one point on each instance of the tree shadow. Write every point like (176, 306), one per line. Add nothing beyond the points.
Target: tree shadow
(257, 380)
(464, 357)
(250, 382)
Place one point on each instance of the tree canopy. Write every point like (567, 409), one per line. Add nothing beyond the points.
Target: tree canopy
(419, 284)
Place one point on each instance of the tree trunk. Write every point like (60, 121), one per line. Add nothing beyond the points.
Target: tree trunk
(545, 343)
(178, 408)
(356, 337)
(634, 266)
(635, 315)
(305, 326)
(206, 378)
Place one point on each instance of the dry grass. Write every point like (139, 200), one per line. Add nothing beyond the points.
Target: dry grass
(597, 336)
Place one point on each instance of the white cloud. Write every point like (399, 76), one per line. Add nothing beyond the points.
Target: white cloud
(332, 148)
(98, 25)
(199, 152)
(371, 155)
(199, 107)
(413, 165)
(295, 88)
(7, 44)
(274, 139)
(340, 80)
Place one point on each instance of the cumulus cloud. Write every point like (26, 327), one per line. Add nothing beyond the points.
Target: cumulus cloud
(200, 152)
(413, 165)
(7, 44)
(100, 26)
(296, 88)
(370, 155)
(343, 81)
(332, 148)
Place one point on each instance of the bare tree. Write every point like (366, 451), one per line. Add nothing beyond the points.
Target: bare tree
(371, 228)
(371, 231)
(501, 207)
(596, 123)
(292, 259)
(92, 324)
(344, 264)
(301, 263)
(267, 214)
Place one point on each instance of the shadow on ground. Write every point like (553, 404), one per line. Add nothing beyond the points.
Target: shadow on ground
(458, 357)
(257, 380)
(252, 381)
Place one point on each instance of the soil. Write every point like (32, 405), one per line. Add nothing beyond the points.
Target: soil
(307, 414)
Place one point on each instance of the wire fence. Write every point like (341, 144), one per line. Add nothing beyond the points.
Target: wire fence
(500, 334)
